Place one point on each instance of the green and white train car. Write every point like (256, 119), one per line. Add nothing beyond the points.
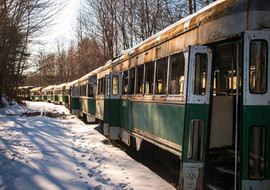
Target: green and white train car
(87, 95)
(68, 89)
(23, 92)
(47, 93)
(59, 94)
(35, 94)
(75, 102)
(199, 89)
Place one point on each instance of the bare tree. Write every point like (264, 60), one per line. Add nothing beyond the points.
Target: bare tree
(20, 22)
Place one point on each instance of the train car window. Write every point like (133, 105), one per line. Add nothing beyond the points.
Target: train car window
(161, 76)
(83, 90)
(139, 85)
(108, 86)
(258, 69)
(115, 87)
(125, 83)
(99, 86)
(200, 74)
(149, 78)
(257, 152)
(177, 70)
(90, 90)
(131, 81)
(195, 143)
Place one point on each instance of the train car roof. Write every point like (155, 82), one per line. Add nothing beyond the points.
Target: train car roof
(35, 89)
(60, 86)
(25, 87)
(51, 87)
(88, 75)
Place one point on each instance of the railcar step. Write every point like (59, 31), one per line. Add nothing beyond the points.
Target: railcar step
(213, 187)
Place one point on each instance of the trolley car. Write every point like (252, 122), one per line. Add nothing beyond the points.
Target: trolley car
(199, 89)
(23, 92)
(60, 96)
(47, 93)
(35, 94)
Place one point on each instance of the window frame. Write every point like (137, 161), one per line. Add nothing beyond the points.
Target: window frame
(191, 143)
(184, 72)
(194, 82)
(136, 80)
(123, 83)
(129, 82)
(266, 67)
(155, 87)
(154, 79)
(265, 151)
(113, 85)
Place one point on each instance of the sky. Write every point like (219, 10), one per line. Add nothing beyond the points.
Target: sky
(63, 29)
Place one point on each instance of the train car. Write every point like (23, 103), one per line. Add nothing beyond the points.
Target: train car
(68, 90)
(75, 107)
(87, 95)
(60, 96)
(35, 94)
(23, 92)
(47, 93)
(199, 89)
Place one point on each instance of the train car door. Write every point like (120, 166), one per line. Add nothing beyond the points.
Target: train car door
(197, 116)
(256, 109)
(113, 105)
(116, 92)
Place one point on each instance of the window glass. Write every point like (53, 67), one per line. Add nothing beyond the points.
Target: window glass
(90, 90)
(115, 80)
(195, 144)
(99, 86)
(83, 90)
(108, 86)
(125, 83)
(177, 70)
(131, 81)
(257, 147)
(149, 78)
(258, 61)
(139, 86)
(200, 73)
(161, 76)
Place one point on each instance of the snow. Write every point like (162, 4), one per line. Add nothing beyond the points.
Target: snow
(63, 153)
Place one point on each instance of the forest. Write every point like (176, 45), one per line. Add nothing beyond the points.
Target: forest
(104, 29)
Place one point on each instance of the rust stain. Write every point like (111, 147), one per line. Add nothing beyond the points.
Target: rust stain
(248, 8)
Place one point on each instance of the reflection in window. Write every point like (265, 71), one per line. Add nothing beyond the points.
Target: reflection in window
(195, 143)
(258, 60)
(139, 86)
(257, 147)
(108, 86)
(125, 83)
(149, 78)
(101, 86)
(115, 84)
(161, 76)
(82, 90)
(90, 90)
(177, 69)
(131, 81)
(200, 77)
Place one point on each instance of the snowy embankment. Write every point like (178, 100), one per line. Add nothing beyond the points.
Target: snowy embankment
(41, 152)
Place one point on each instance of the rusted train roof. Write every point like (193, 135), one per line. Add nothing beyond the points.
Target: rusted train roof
(35, 89)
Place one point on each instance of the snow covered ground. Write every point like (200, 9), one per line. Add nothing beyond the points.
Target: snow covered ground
(41, 152)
